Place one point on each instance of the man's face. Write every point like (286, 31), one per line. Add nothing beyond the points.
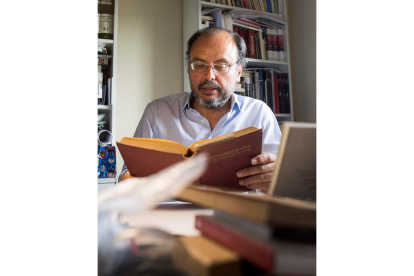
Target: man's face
(209, 89)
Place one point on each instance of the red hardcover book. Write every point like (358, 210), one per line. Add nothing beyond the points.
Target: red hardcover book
(274, 44)
(255, 252)
(236, 30)
(227, 154)
(252, 43)
(245, 35)
(276, 94)
(245, 4)
(280, 46)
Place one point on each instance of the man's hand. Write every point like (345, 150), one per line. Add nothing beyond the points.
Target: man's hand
(126, 175)
(259, 175)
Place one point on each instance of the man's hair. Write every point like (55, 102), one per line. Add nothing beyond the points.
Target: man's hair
(241, 46)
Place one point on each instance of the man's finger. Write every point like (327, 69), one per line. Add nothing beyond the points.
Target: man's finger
(264, 158)
(258, 178)
(264, 187)
(258, 169)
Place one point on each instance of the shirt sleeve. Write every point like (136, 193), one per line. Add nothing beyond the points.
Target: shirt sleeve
(144, 129)
(271, 131)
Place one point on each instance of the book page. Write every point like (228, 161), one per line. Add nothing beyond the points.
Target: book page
(155, 144)
(208, 142)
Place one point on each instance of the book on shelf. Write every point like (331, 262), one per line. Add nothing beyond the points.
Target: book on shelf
(289, 251)
(227, 154)
(106, 19)
(280, 46)
(272, 87)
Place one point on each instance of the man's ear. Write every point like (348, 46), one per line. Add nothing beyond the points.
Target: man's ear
(239, 72)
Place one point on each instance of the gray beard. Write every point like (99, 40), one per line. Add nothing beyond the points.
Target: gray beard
(216, 103)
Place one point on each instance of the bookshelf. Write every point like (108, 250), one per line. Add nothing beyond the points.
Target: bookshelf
(192, 21)
(109, 108)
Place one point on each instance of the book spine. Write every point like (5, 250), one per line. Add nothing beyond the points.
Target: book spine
(109, 91)
(106, 24)
(276, 94)
(269, 91)
(280, 46)
(257, 85)
(269, 6)
(257, 253)
(274, 45)
(253, 4)
(273, 6)
(257, 45)
(247, 86)
(286, 93)
(261, 93)
(264, 5)
(269, 44)
(280, 84)
(245, 36)
(245, 4)
(252, 43)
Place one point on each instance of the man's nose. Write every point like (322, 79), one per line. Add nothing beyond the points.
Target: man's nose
(210, 75)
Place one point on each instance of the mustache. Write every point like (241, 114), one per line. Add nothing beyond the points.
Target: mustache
(210, 83)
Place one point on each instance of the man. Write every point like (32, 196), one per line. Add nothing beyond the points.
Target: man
(215, 59)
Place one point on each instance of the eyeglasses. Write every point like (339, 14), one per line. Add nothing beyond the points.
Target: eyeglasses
(218, 68)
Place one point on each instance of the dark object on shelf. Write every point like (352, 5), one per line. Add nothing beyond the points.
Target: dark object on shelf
(106, 161)
(106, 10)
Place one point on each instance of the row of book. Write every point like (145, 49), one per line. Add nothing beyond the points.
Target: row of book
(271, 6)
(264, 40)
(268, 85)
(277, 238)
(104, 82)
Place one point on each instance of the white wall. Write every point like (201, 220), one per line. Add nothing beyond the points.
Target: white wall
(302, 40)
(149, 59)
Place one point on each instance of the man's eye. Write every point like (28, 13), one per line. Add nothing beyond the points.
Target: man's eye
(199, 66)
(220, 66)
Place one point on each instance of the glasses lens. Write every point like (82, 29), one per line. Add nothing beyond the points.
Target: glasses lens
(221, 67)
(199, 66)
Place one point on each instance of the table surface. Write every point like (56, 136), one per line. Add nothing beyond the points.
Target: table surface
(175, 218)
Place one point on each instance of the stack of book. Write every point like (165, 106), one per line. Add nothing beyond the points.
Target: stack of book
(275, 235)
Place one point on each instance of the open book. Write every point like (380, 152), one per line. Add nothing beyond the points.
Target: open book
(227, 154)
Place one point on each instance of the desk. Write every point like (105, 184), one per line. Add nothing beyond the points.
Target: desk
(174, 218)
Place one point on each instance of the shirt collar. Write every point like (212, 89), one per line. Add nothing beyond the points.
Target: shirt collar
(234, 100)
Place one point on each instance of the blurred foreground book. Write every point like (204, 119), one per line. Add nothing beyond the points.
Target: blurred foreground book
(275, 234)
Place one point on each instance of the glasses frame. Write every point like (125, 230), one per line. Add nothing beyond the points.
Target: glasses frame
(212, 67)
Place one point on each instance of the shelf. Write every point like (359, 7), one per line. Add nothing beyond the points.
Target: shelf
(282, 115)
(104, 56)
(106, 180)
(277, 17)
(261, 62)
(105, 41)
(104, 107)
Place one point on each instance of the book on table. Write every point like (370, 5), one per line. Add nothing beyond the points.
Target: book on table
(227, 154)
